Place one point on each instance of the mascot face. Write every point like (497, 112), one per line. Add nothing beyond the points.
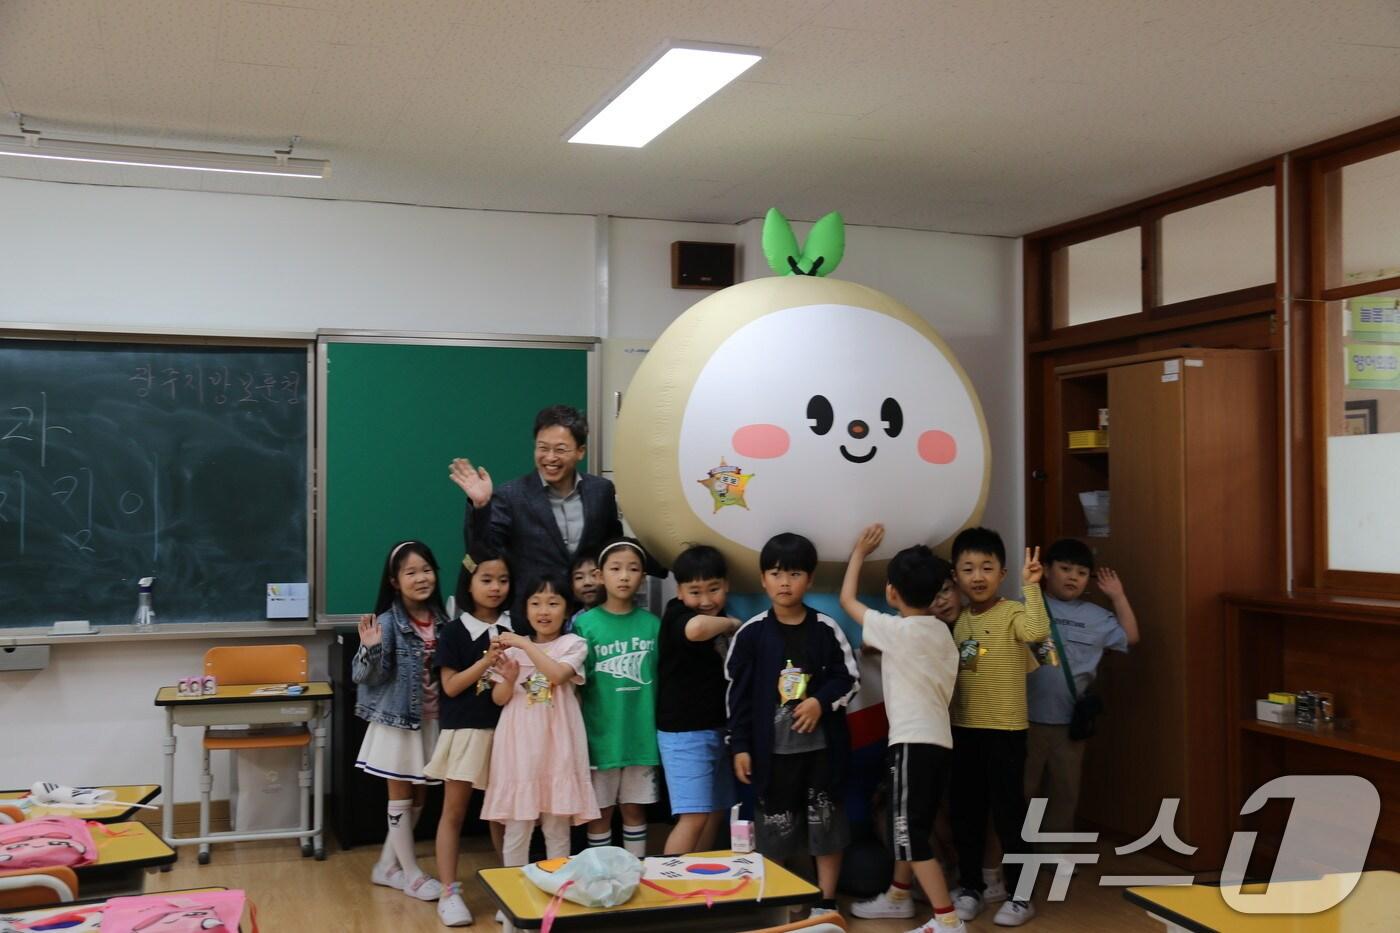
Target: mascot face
(799, 404)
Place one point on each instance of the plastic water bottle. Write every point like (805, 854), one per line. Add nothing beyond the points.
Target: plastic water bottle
(145, 615)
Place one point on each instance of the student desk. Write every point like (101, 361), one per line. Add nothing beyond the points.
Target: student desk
(1373, 907)
(524, 904)
(123, 807)
(77, 917)
(239, 705)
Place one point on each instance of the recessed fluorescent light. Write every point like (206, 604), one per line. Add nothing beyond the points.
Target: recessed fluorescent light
(148, 157)
(670, 86)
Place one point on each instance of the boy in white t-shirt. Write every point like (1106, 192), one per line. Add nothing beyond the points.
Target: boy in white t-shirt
(919, 669)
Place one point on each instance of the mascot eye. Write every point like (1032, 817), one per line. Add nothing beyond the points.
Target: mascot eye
(820, 415)
(893, 417)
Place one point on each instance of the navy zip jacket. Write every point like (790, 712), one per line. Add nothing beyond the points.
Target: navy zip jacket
(756, 658)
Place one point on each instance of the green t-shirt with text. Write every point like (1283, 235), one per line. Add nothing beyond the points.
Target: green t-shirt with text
(619, 689)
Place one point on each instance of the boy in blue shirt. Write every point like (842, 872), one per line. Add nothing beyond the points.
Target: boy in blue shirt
(1085, 630)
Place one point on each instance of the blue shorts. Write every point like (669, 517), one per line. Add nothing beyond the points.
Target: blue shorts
(699, 771)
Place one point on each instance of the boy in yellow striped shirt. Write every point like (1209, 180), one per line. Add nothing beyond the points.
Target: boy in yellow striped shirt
(989, 713)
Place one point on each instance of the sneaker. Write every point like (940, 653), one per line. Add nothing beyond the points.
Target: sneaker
(1014, 913)
(933, 926)
(389, 877)
(452, 910)
(995, 892)
(882, 906)
(967, 903)
(423, 887)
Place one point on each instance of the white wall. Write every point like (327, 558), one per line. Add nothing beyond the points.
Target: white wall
(145, 257)
(82, 254)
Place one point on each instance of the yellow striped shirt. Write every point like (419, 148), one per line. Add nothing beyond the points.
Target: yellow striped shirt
(991, 691)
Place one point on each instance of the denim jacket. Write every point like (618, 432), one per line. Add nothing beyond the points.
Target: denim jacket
(389, 673)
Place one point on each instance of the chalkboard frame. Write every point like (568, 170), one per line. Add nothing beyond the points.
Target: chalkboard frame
(177, 337)
(328, 336)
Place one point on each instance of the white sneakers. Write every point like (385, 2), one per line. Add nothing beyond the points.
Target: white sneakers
(452, 910)
(389, 876)
(967, 903)
(933, 926)
(883, 906)
(423, 887)
(1014, 913)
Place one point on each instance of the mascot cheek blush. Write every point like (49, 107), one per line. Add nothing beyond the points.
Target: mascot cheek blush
(806, 404)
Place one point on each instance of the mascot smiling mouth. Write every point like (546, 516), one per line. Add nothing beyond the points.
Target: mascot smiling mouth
(854, 459)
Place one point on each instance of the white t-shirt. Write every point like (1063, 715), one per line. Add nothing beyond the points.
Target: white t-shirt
(918, 668)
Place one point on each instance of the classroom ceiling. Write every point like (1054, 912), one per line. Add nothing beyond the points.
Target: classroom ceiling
(973, 116)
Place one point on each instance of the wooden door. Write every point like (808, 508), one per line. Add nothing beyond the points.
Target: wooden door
(1138, 756)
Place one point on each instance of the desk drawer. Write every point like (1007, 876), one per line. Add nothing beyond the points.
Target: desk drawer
(234, 714)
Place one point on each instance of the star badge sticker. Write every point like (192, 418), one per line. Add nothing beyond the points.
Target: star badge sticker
(726, 485)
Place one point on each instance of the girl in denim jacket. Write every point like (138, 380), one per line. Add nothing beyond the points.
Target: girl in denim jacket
(398, 697)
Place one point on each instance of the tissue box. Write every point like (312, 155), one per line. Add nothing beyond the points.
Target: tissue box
(1268, 711)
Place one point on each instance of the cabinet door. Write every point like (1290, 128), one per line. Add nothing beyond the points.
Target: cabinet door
(1137, 758)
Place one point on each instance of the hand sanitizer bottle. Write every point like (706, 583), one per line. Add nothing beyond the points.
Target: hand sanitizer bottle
(145, 615)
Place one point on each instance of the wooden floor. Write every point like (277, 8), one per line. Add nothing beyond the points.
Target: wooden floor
(296, 895)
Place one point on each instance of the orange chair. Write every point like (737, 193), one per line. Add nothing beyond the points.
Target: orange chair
(37, 887)
(256, 664)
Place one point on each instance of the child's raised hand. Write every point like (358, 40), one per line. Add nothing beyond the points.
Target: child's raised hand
(1108, 582)
(869, 539)
(1032, 571)
(474, 481)
(370, 635)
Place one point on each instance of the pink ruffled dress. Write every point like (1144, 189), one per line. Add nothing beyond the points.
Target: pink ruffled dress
(539, 760)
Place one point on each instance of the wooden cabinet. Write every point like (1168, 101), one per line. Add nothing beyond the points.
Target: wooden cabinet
(1191, 469)
(1346, 646)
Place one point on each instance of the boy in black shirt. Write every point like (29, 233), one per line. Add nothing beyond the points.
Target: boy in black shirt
(791, 678)
(690, 714)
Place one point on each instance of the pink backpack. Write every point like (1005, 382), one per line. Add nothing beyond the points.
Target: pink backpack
(185, 912)
(47, 842)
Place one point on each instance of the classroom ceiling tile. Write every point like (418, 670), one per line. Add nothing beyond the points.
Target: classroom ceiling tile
(962, 115)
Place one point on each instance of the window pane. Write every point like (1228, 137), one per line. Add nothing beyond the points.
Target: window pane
(1218, 247)
(1363, 427)
(1098, 279)
(1370, 222)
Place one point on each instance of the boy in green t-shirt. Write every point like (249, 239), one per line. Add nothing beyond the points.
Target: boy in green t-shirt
(619, 698)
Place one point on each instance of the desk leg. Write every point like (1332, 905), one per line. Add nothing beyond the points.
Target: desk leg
(318, 798)
(167, 816)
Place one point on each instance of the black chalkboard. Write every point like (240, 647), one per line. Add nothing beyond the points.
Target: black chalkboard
(119, 460)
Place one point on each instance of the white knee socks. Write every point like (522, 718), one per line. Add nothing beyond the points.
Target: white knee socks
(400, 838)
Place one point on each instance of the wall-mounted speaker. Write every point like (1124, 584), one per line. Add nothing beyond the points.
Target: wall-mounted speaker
(702, 265)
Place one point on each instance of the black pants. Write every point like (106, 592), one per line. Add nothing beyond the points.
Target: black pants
(989, 767)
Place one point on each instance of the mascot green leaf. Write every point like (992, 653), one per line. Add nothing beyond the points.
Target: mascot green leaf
(825, 246)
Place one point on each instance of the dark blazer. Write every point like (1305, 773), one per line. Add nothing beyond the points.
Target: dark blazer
(519, 522)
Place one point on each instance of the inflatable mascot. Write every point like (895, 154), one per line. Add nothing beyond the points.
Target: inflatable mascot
(800, 403)
(807, 404)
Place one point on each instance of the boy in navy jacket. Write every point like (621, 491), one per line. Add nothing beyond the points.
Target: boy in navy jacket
(792, 676)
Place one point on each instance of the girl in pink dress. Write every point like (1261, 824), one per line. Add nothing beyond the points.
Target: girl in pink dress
(539, 760)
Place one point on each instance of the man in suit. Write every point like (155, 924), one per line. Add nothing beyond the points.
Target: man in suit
(541, 520)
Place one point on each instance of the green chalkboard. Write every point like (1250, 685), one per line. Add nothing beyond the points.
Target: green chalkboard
(396, 414)
(123, 460)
